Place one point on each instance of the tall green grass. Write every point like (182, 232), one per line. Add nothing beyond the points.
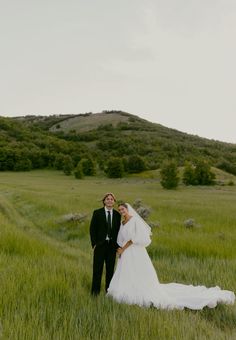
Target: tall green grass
(45, 266)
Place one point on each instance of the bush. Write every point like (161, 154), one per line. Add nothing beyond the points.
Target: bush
(78, 171)
(135, 164)
(23, 165)
(227, 166)
(169, 175)
(189, 174)
(115, 168)
(142, 210)
(67, 165)
(200, 174)
(88, 166)
(203, 173)
(58, 163)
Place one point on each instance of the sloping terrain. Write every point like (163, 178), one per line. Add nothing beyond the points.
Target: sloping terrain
(110, 133)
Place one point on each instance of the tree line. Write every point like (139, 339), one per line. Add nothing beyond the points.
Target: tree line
(128, 147)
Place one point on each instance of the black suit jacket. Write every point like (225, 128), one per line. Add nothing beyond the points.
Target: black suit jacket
(99, 227)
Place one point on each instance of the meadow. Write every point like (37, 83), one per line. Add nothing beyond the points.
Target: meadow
(46, 261)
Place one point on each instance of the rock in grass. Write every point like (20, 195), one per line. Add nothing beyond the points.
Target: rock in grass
(73, 217)
(190, 223)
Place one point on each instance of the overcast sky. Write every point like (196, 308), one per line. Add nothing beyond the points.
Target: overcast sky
(168, 61)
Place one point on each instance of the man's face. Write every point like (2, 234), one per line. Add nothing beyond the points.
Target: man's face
(109, 201)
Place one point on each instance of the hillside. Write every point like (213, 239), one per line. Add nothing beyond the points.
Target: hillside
(101, 136)
(90, 122)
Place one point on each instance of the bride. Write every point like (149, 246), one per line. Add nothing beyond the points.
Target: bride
(135, 280)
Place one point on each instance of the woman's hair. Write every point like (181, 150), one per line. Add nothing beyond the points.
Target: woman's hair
(123, 205)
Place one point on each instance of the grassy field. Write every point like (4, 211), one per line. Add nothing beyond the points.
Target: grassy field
(86, 123)
(45, 261)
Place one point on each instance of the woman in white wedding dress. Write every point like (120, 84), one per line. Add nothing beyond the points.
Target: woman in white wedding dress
(135, 280)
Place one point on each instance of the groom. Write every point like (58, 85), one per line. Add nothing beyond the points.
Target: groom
(104, 228)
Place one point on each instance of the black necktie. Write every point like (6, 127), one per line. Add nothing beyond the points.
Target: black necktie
(109, 224)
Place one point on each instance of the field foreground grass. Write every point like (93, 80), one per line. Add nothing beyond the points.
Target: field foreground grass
(45, 260)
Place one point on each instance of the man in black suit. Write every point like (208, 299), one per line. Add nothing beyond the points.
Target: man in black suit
(104, 228)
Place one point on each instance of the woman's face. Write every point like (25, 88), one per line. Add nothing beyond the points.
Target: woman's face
(123, 210)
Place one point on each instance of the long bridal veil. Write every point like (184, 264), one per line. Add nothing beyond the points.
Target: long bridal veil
(143, 224)
(142, 230)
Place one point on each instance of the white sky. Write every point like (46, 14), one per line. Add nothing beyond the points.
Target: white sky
(169, 61)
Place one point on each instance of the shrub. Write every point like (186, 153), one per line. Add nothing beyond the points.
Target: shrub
(189, 174)
(67, 165)
(142, 210)
(200, 174)
(115, 168)
(23, 164)
(135, 164)
(169, 175)
(88, 166)
(203, 173)
(78, 172)
(227, 166)
(58, 163)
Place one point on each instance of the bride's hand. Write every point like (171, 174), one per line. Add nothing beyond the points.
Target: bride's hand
(119, 251)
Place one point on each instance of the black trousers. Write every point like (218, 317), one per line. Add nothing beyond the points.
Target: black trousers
(105, 252)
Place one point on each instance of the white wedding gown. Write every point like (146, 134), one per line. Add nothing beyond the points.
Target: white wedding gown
(135, 280)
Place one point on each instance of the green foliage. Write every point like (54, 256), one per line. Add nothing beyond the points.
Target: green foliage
(19, 140)
(23, 164)
(88, 167)
(203, 173)
(67, 165)
(189, 177)
(78, 172)
(169, 175)
(135, 164)
(40, 140)
(200, 174)
(58, 163)
(115, 168)
(227, 166)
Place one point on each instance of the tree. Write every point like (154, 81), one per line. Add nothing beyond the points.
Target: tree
(203, 173)
(67, 165)
(189, 177)
(169, 175)
(115, 168)
(78, 171)
(135, 164)
(59, 159)
(88, 166)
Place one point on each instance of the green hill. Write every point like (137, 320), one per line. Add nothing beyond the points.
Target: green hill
(42, 139)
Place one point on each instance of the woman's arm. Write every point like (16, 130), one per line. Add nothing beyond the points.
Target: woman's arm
(121, 250)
